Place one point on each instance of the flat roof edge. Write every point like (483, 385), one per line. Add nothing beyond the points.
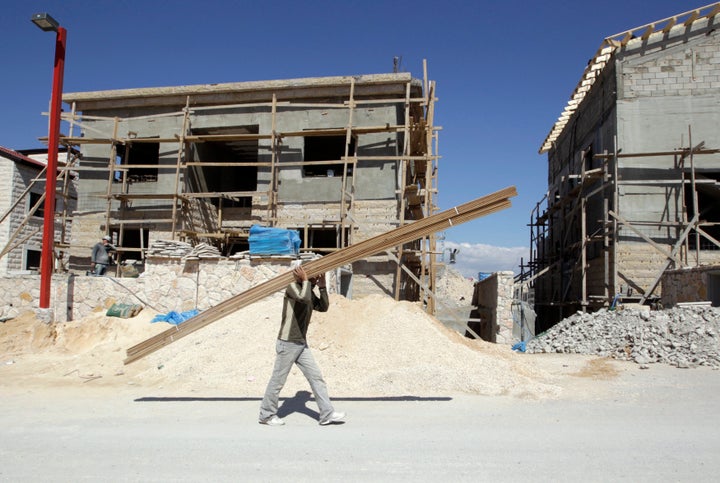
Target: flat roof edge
(237, 87)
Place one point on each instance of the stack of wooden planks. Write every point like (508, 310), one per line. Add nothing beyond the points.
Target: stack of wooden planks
(441, 221)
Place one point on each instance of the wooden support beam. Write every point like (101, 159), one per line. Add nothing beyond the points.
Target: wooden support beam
(671, 258)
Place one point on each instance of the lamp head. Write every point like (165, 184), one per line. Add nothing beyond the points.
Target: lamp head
(45, 22)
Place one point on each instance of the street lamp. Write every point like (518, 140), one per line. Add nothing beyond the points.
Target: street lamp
(47, 259)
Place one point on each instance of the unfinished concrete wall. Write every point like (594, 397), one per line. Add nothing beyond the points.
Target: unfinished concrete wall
(667, 92)
(592, 130)
(375, 180)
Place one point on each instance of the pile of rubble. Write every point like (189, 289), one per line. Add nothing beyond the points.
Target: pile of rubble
(682, 337)
(169, 248)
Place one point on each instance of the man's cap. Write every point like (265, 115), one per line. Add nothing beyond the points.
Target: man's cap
(107, 237)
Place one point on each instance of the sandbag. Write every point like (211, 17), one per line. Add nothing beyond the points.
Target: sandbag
(124, 311)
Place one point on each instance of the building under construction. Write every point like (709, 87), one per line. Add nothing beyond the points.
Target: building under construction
(633, 171)
(340, 159)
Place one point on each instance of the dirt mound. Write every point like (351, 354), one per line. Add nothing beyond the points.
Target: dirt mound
(369, 347)
(453, 289)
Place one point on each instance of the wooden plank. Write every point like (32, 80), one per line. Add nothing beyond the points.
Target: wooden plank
(143, 196)
(693, 16)
(404, 234)
(670, 24)
(715, 10)
(648, 31)
(206, 164)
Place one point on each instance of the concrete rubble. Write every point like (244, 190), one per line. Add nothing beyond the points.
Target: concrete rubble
(682, 337)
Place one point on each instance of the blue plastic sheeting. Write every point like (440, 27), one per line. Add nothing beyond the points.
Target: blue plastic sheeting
(273, 241)
(520, 347)
(175, 318)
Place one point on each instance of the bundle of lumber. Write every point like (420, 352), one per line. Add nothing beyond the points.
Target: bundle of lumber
(441, 221)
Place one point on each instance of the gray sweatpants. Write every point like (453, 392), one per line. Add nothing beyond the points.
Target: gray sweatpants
(289, 353)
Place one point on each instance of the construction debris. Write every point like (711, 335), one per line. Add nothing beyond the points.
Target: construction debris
(682, 337)
(203, 250)
(169, 248)
(180, 249)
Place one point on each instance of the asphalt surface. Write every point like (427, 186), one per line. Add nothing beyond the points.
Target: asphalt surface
(660, 424)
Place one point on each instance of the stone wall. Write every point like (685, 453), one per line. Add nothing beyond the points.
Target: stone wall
(699, 284)
(168, 284)
(494, 296)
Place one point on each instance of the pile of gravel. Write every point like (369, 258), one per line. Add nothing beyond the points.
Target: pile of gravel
(682, 337)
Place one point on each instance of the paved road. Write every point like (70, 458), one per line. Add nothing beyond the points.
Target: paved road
(661, 424)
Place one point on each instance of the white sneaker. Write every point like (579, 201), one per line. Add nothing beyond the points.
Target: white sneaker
(335, 417)
(273, 421)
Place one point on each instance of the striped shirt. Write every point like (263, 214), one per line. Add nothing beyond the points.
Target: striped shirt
(298, 306)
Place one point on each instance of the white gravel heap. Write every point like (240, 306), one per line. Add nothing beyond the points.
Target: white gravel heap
(682, 337)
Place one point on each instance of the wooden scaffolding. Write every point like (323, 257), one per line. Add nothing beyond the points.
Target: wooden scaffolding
(560, 237)
(417, 167)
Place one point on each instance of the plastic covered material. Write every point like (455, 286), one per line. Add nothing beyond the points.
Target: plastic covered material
(273, 241)
(175, 318)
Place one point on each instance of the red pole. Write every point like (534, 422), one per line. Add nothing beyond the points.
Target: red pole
(47, 258)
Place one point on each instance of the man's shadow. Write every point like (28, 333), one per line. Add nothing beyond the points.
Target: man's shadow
(298, 404)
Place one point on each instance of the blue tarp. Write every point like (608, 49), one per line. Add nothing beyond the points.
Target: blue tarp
(175, 318)
(520, 347)
(273, 241)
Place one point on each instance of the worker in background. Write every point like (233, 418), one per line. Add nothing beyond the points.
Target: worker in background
(100, 258)
(291, 348)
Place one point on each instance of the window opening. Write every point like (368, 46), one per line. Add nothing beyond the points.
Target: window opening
(223, 179)
(132, 239)
(34, 197)
(237, 246)
(321, 239)
(142, 154)
(32, 260)
(709, 207)
(326, 148)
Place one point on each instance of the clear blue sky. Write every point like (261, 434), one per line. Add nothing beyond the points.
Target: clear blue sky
(504, 71)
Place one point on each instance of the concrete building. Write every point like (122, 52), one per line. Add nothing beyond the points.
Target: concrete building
(22, 195)
(340, 159)
(633, 170)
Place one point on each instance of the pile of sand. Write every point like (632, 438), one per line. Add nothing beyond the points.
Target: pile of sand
(374, 346)
(454, 289)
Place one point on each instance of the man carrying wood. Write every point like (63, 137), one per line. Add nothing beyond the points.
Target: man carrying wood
(291, 348)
